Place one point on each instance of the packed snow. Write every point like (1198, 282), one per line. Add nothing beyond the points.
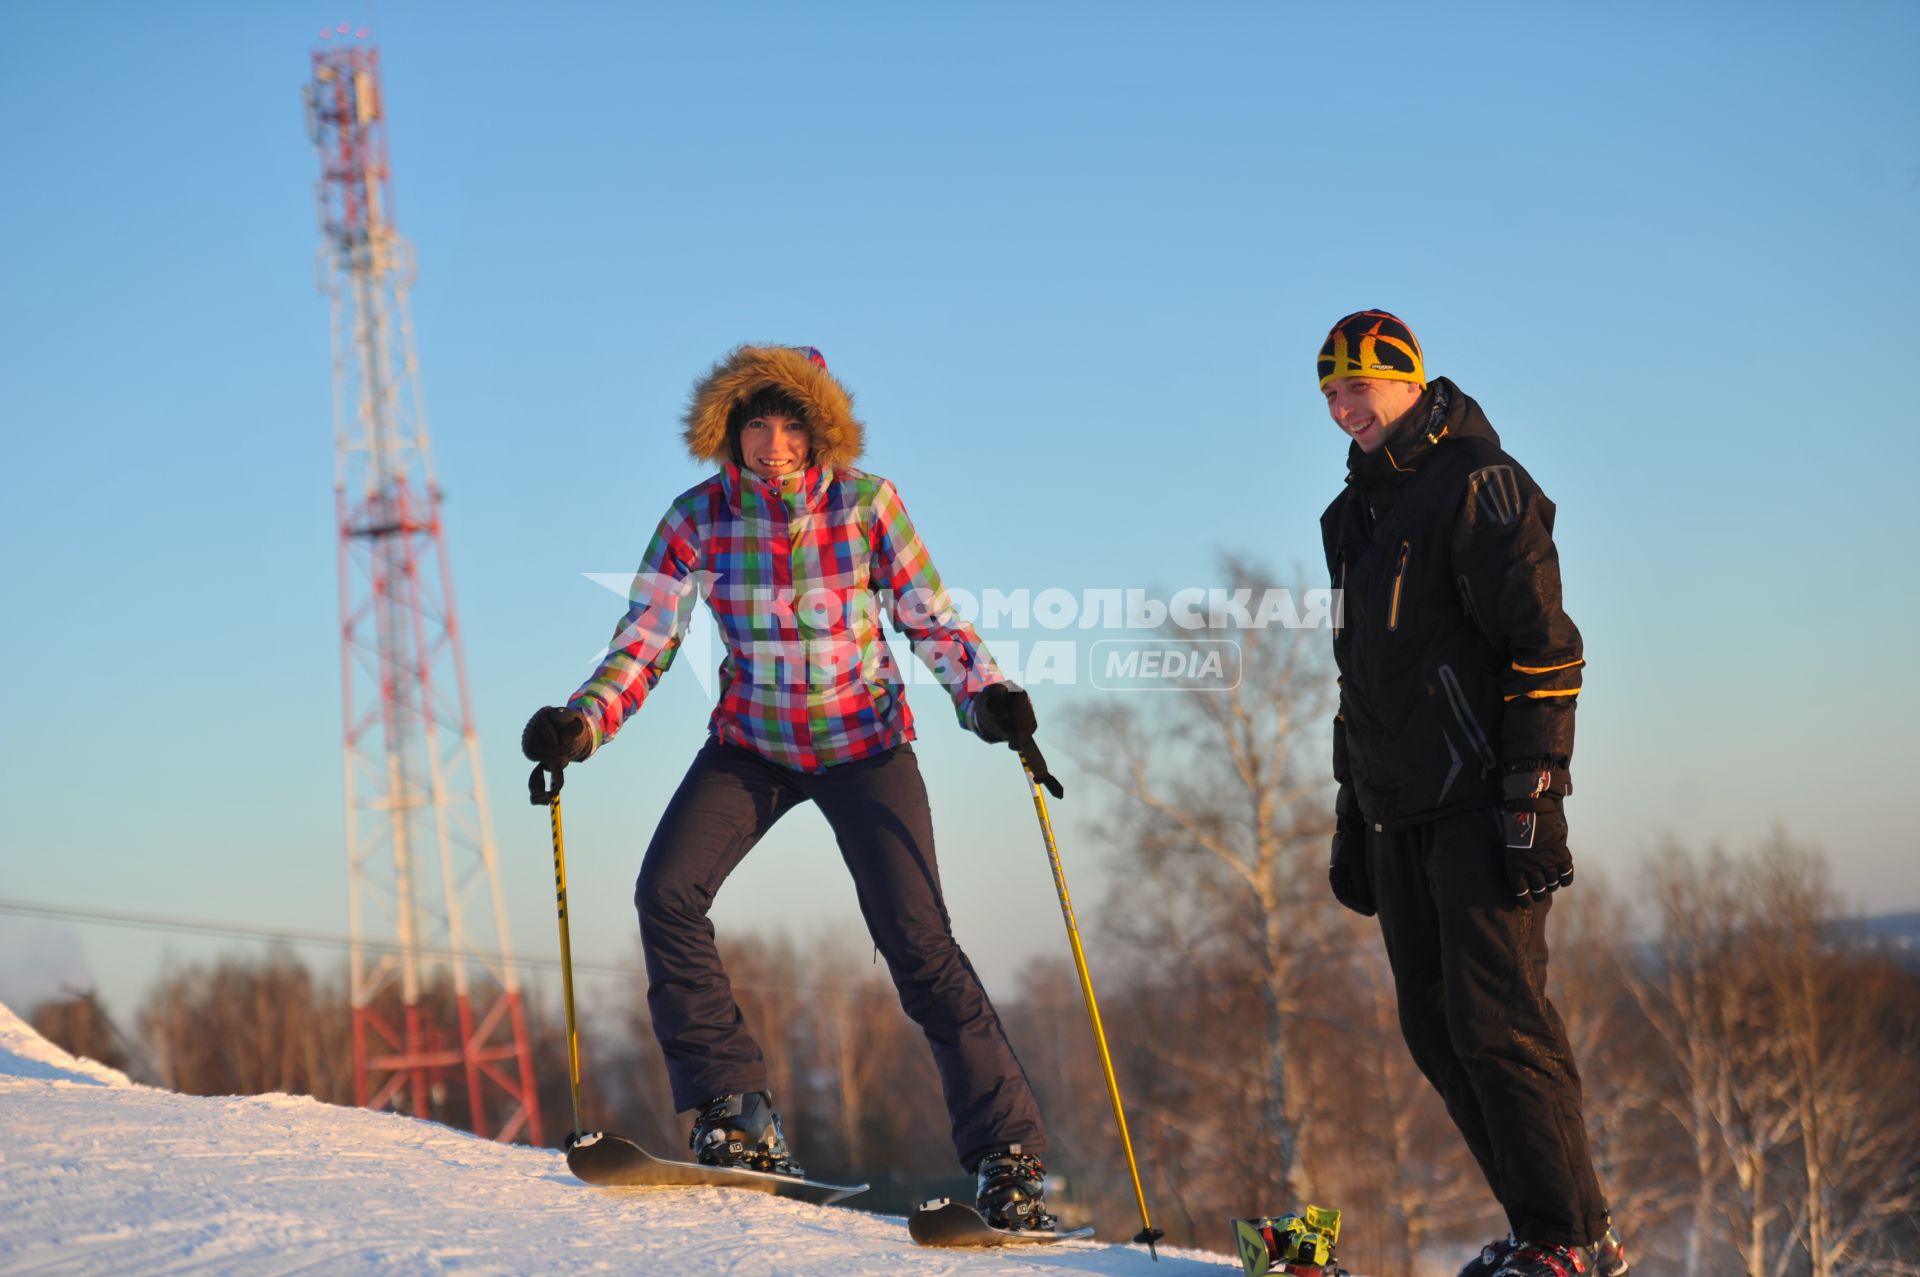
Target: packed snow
(99, 1175)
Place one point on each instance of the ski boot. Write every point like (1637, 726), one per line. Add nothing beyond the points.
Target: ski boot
(742, 1131)
(1605, 1258)
(1013, 1191)
(1490, 1257)
(1610, 1254)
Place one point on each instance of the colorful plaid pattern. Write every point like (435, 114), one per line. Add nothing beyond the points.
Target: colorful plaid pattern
(796, 572)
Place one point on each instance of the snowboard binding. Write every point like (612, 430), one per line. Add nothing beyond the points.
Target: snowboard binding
(1290, 1245)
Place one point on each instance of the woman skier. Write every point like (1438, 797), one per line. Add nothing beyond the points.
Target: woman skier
(796, 552)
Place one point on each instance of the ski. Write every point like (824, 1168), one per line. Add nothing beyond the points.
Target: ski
(611, 1161)
(944, 1222)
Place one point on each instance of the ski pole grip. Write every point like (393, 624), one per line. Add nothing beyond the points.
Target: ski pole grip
(1030, 755)
(539, 791)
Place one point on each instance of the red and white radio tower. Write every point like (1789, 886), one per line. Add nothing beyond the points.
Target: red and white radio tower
(420, 852)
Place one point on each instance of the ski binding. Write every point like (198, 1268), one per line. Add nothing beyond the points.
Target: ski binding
(1291, 1245)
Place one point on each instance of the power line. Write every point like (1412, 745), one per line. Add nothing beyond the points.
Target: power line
(304, 939)
(323, 940)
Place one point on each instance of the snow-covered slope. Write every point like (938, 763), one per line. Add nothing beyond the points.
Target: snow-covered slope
(98, 1175)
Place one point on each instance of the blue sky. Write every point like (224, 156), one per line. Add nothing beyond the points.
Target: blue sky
(1074, 260)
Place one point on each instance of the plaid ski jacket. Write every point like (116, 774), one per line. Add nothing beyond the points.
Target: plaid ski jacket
(795, 571)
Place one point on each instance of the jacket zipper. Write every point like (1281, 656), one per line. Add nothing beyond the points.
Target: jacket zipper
(1399, 578)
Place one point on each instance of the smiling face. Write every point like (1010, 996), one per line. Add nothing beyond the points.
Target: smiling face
(1366, 408)
(773, 444)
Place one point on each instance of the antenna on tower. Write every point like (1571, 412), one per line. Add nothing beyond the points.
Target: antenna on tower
(421, 867)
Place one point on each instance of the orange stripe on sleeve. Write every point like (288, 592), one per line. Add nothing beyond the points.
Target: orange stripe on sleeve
(1547, 669)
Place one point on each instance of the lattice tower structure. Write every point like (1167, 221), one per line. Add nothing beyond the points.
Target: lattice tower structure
(437, 1008)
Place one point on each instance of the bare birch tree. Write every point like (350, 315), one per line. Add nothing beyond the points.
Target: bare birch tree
(1640, 1165)
(1391, 1153)
(1792, 1057)
(1227, 798)
(1848, 1067)
(1723, 1096)
(80, 1026)
(248, 1026)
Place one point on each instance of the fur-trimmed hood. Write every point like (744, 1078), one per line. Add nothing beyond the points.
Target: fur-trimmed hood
(802, 373)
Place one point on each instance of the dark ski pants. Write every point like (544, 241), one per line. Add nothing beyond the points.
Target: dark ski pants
(877, 808)
(1470, 971)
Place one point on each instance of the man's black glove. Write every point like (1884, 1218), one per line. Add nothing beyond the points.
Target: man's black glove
(1539, 862)
(1003, 712)
(1352, 880)
(554, 737)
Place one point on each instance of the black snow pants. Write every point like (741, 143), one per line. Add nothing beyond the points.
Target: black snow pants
(878, 811)
(1470, 971)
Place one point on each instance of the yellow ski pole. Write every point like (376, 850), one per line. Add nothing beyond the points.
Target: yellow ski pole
(552, 800)
(1036, 769)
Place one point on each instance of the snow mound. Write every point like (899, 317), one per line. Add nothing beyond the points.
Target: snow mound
(25, 1054)
(101, 1176)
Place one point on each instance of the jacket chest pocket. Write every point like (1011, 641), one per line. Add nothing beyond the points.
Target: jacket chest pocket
(1397, 589)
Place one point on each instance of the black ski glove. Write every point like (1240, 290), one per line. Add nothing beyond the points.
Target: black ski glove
(1003, 712)
(554, 737)
(1539, 861)
(1352, 880)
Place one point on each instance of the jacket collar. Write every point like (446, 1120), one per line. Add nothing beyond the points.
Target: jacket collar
(805, 490)
(1443, 413)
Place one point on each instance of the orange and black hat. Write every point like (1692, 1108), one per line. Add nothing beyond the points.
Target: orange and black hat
(1372, 343)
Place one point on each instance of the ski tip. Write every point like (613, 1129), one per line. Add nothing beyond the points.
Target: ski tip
(581, 1139)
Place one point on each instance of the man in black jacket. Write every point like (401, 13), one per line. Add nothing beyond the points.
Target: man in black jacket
(1459, 671)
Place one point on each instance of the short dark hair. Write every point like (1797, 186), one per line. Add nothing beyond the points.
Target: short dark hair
(764, 402)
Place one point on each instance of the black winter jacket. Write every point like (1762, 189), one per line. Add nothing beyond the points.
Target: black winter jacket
(1457, 663)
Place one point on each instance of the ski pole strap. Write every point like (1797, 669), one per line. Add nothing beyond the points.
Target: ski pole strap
(539, 792)
(1030, 755)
